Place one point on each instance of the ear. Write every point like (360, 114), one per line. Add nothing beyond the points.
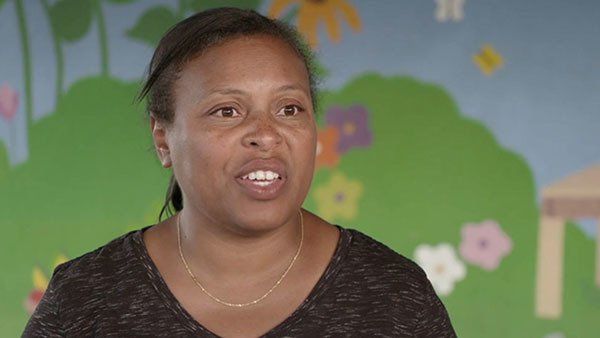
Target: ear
(159, 135)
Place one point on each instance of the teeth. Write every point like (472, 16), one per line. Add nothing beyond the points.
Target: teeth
(261, 175)
(263, 183)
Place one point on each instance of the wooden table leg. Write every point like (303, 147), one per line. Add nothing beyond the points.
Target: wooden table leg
(598, 253)
(549, 283)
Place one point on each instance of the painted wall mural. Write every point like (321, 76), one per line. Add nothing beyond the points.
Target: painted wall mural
(463, 134)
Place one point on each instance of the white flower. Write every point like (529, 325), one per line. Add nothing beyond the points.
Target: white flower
(441, 265)
(449, 10)
(555, 335)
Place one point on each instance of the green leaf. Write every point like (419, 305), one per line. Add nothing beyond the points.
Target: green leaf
(151, 26)
(200, 5)
(1, 3)
(71, 19)
(121, 1)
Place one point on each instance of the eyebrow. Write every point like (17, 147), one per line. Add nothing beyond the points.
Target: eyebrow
(230, 91)
(289, 87)
(227, 91)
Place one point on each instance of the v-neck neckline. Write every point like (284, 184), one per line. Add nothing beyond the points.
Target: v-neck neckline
(190, 322)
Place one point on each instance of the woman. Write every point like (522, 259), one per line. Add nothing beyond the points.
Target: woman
(231, 97)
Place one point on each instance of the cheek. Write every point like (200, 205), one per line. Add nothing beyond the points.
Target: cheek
(310, 136)
(201, 158)
(212, 154)
(304, 150)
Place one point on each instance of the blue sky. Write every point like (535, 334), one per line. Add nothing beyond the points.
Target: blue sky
(544, 104)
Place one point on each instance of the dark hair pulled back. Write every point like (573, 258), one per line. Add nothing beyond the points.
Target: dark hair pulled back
(189, 39)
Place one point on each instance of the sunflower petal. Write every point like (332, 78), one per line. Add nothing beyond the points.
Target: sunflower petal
(308, 23)
(350, 13)
(333, 28)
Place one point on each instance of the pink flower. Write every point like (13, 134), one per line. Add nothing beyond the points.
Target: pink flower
(9, 102)
(484, 244)
(32, 301)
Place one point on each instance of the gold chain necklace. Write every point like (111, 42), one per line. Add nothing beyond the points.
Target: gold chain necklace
(239, 304)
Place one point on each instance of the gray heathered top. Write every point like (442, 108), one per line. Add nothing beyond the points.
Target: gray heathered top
(367, 290)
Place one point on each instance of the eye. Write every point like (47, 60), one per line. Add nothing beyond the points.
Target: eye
(290, 110)
(226, 112)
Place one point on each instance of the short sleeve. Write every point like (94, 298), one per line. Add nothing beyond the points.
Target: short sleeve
(45, 320)
(433, 319)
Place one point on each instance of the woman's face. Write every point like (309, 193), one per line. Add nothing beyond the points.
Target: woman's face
(242, 143)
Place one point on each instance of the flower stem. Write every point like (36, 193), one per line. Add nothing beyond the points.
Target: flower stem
(26, 60)
(58, 53)
(102, 37)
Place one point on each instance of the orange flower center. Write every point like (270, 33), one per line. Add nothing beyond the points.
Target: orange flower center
(349, 128)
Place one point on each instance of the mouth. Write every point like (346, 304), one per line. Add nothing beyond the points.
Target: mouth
(263, 179)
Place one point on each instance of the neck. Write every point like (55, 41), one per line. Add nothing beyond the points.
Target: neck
(218, 252)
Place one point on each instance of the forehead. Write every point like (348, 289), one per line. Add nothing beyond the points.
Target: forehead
(246, 59)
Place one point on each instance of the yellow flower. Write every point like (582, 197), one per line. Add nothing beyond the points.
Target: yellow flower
(59, 259)
(40, 284)
(40, 280)
(338, 198)
(312, 12)
(488, 59)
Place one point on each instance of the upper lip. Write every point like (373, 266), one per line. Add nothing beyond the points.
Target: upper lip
(271, 164)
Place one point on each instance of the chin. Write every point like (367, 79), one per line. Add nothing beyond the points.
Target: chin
(265, 219)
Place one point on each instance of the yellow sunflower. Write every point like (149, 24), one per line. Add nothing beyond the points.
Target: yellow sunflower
(313, 12)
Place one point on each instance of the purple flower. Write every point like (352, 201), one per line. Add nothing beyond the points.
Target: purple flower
(353, 126)
(484, 244)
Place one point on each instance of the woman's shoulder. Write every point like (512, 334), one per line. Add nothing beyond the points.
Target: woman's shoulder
(370, 252)
(96, 265)
(375, 265)
(389, 283)
(80, 288)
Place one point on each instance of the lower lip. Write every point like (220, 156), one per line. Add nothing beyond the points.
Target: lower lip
(258, 192)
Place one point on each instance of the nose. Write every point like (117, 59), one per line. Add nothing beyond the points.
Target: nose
(262, 134)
